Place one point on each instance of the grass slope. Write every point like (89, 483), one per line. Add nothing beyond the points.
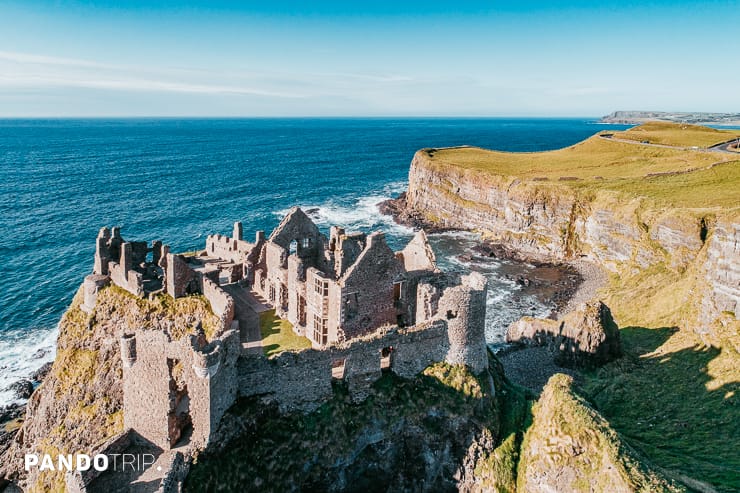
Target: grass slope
(678, 134)
(571, 447)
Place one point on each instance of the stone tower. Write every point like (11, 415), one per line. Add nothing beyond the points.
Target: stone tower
(464, 309)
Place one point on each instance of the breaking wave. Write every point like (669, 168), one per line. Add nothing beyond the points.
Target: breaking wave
(21, 354)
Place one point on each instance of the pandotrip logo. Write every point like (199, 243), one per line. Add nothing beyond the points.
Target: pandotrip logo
(85, 462)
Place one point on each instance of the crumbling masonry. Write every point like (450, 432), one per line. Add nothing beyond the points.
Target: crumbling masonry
(365, 308)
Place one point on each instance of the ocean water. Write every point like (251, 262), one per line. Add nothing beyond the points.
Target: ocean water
(180, 180)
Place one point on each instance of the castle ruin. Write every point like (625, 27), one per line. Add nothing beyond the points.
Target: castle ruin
(364, 308)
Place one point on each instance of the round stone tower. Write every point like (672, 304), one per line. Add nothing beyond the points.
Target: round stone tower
(464, 309)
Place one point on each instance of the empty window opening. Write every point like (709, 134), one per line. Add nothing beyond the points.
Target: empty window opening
(337, 368)
(306, 243)
(301, 310)
(350, 306)
(385, 357)
(321, 287)
(320, 330)
(397, 290)
(284, 296)
(179, 421)
(293, 248)
(451, 314)
(271, 294)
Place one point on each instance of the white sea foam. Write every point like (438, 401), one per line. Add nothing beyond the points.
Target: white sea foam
(21, 354)
(360, 214)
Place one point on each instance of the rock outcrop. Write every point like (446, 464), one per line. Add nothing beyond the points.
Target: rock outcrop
(571, 447)
(79, 403)
(585, 337)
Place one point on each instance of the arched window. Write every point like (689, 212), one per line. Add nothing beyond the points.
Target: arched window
(293, 248)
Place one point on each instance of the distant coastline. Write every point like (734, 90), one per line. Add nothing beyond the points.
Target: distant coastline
(639, 117)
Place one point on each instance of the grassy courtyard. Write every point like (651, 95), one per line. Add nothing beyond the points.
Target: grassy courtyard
(278, 336)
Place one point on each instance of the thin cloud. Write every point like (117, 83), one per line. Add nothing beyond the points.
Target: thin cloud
(24, 70)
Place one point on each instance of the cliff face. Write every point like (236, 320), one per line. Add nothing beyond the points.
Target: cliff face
(624, 233)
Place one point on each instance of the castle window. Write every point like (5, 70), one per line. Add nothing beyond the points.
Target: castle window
(321, 287)
(272, 293)
(397, 290)
(306, 243)
(351, 305)
(320, 330)
(293, 247)
(451, 314)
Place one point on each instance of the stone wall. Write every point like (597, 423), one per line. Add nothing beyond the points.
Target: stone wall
(229, 249)
(370, 281)
(77, 481)
(221, 302)
(180, 278)
(302, 381)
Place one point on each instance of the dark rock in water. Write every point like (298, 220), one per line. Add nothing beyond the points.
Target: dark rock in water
(312, 210)
(22, 389)
(11, 411)
(584, 338)
(40, 353)
(41, 373)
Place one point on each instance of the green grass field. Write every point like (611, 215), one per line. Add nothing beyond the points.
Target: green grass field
(679, 135)
(278, 336)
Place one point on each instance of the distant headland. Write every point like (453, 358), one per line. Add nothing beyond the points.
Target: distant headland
(639, 117)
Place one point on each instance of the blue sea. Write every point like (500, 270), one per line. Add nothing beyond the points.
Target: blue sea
(179, 180)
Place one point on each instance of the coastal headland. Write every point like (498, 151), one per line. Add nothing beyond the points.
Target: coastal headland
(657, 209)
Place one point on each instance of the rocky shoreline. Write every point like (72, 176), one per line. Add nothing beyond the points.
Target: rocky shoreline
(12, 415)
(566, 284)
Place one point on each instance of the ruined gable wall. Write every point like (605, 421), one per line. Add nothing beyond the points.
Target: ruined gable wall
(295, 225)
(418, 254)
(372, 278)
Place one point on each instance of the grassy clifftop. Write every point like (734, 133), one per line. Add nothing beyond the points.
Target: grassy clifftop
(678, 134)
(670, 176)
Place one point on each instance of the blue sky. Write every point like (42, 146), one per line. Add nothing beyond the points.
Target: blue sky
(384, 58)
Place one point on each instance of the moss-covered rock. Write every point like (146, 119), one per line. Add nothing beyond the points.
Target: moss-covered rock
(571, 447)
